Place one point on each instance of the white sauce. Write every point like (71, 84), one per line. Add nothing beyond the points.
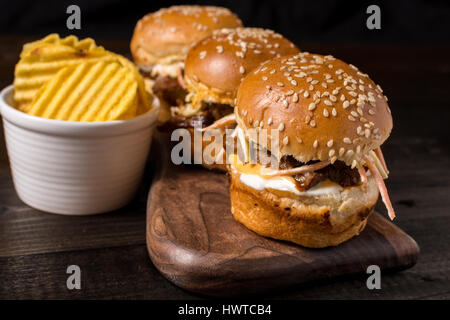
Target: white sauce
(281, 183)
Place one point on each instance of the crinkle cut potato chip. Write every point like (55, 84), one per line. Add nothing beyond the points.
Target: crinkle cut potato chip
(41, 59)
(76, 80)
(89, 91)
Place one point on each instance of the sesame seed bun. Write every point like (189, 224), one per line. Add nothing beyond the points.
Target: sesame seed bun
(324, 108)
(216, 65)
(312, 221)
(166, 35)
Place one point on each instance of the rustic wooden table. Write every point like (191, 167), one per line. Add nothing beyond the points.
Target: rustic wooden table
(36, 248)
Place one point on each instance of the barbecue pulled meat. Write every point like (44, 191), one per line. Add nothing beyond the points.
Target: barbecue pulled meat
(170, 90)
(209, 113)
(337, 172)
(165, 87)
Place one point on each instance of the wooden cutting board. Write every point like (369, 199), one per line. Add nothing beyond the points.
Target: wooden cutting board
(195, 243)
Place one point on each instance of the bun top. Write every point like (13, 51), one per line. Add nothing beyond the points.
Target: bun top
(324, 108)
(167, 34)
(216, 65)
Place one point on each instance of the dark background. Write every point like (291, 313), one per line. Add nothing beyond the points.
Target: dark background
(301, 21)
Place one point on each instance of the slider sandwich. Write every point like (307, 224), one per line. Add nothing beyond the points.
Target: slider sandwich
(161, 41)
(330, 120)
(215, 67)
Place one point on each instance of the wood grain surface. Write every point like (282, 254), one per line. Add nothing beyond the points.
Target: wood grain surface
(195, 242)
(36, 248)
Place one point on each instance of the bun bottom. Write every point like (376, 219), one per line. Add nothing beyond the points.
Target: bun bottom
(314, 221)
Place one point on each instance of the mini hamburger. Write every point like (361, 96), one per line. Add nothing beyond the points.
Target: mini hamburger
(162, 39)
(214, 69)
(330, 120)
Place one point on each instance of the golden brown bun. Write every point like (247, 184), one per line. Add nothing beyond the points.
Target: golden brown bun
(350, 117)
(216, 65)
(167, 34)
(310, 221)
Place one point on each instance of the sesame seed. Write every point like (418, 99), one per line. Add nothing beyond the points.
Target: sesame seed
(285, 140)
(315, 144)
(326, 114)
(334, 112)
(264, 78)
(299, 140)
(311, 106)
(347, 140)
(367, 133)
(371, 111)
(281, 126)
(331, 153)
(306, 94)
(346, 104)
(312, 123)
(328, 102)
(330, 143)
(280, 84)
(242, 69)
(341, 152)
(294, 83)
(358, 149)
(202, 55)
(219, 49)
(350, 153)
(269, 121)
(295, 97)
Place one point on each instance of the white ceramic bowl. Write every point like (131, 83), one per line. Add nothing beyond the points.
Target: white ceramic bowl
(75, 168)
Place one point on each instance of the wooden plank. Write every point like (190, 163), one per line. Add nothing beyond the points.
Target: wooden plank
(194, 241)
(109, 273)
